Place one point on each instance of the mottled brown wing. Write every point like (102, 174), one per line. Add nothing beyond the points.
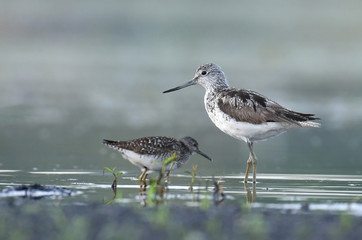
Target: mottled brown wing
(252, 107)
(151, 145)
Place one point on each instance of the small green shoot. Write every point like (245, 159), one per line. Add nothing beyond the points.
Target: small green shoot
(193, 176)
(117, 194)
(115, 175)
(113, 171)
(164, 164)
(170, 159)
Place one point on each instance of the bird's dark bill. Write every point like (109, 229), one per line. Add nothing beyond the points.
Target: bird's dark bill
(190, 83)
(204, 155)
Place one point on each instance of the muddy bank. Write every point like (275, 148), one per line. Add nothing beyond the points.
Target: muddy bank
(39, 220)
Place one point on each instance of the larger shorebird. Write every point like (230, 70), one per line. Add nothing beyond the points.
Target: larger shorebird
(244, 114)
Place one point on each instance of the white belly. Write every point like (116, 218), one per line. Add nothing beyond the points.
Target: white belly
(243, 130)
(151, 162)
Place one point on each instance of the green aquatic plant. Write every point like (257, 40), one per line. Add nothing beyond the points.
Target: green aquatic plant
(157, 188)
(169, 160)
(152, 193)
(113, 171)
(193, 176)
(166, 161)
(205, 201)
(115, 175)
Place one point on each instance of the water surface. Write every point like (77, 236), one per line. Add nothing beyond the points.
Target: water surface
(285, 192)
(72, 75)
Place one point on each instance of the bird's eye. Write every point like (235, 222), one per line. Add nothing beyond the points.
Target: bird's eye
(203, 73)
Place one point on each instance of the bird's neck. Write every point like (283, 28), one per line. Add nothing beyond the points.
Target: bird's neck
(217, 87)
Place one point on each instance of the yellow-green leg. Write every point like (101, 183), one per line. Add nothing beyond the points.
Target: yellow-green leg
(252, 161)
(247, 171)
(142, 178)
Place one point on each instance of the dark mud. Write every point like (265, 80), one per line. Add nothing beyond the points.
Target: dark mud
(36, 191)
(39, 220)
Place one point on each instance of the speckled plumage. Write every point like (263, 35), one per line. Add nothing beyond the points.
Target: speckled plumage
(148, 153)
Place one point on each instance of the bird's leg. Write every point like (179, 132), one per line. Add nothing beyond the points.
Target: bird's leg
(141, 179)
(249, 162)
(252, 161)
(248, 194)
(254, 193)
(254, 171)
(144, 181)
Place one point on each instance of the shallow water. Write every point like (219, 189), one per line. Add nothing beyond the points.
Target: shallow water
(284, 192)
(70, 78)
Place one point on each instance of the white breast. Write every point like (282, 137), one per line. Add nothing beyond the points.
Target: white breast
(243, 130)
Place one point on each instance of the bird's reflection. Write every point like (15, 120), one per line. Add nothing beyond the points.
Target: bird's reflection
(114, 189)
(154, 194)
(218, 194)
(155, 191)
(250, 195)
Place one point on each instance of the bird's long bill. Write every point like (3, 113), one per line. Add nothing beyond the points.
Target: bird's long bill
(190, 83)
(204, 155)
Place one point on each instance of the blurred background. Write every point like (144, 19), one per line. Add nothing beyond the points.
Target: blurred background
(73, 73)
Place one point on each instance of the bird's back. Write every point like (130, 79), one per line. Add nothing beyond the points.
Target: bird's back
(145, 145)
(252, 107)
(250, 116)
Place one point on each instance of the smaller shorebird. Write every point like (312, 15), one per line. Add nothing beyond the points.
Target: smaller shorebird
(149, 153)
(244, 114)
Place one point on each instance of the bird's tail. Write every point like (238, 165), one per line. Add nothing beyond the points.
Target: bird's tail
(309, 124)
(111, 144)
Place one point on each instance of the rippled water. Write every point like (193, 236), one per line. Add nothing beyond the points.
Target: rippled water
(70, 78)
(285, 192)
